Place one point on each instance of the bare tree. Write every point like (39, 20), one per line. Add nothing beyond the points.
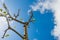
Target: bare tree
(10, 18)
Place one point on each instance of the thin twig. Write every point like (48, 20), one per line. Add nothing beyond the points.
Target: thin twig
(31, 15)
(5, 33)
(16, 16)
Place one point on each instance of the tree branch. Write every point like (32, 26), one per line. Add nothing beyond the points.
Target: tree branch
(17, 33)
(11, 29)
(16, 16)
(5, 33)
(14, 31)
(10, 15)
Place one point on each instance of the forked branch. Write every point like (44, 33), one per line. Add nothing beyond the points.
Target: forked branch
(11, 29)
(10, 15)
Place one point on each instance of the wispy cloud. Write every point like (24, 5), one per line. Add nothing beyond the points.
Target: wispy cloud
(41, 6)
(53, 5)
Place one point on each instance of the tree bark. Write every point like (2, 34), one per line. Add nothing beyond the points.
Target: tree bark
(25, 33)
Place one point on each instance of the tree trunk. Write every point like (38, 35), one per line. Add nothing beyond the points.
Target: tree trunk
(25, 33)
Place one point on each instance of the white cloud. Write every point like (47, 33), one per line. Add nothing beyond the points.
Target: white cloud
(55, 6)
(41, 6)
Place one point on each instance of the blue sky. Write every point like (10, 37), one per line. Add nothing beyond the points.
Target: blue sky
(38, 30)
